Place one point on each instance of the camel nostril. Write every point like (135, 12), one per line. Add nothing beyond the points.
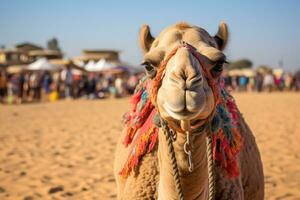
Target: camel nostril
(194, 81)
(177, 82)
(183, 76)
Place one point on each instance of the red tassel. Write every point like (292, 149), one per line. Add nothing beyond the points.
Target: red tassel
(135, 99)
(153, 140)
(144, 142)
(232, 109)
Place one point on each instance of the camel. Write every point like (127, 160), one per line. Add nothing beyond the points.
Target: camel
(185, 98)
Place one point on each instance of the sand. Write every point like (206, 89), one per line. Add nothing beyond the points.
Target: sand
(65, 150)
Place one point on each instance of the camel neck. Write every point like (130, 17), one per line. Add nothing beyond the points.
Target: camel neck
(195, 183)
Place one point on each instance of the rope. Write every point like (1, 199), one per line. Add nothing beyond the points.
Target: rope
(211, 174)
(175, 171)
(171, 151)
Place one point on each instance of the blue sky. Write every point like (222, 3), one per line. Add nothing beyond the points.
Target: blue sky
(263, 31)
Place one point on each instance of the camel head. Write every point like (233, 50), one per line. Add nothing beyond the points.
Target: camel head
(184, 93)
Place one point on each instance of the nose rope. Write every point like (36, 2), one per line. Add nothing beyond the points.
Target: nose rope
(156, 83)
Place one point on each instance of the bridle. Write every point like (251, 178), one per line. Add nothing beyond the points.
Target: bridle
(156, 83)
(200, 128)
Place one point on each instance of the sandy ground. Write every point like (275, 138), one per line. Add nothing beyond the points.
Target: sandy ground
(65, 150)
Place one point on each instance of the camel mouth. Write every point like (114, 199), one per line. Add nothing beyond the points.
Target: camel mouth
(182, 114)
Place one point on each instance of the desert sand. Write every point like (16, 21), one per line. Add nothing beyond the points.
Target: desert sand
(65, 150)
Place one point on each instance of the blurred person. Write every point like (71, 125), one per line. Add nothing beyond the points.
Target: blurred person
(269, 82)
(100, 90)
(258, 81)
(68, 82)
(119, 84)
(243, 81)
(279, 82)
(296, 81)
(47, 80)
(34, 84)
(235, 83)
(12, 89)
(26, 87)
(91, 87)
(83, 85)
(61, 84)
(228, 81)
(112, 87)
(76, 84)
(21, 86)
(131, 83)
(251, 84)
(105, 84)
(288, 79)
(3, 86)
(55, 81)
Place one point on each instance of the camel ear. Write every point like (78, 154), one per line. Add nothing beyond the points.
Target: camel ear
(221, 37)
(146, 38)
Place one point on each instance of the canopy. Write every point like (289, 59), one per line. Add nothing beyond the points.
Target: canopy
(14, 69)
(42, 64)
(101, 65)
(278, 72)
(90, 66)
(241, 72)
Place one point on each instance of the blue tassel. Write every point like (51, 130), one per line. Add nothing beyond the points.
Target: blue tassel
(215, 123)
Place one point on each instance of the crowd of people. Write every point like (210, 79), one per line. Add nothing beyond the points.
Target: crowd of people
(34, 86)
(263, 82)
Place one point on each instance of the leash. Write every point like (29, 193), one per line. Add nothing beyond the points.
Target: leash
(169, 135)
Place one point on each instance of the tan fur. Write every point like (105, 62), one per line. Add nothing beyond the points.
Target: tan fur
(182, 25)
(153, 179)
(222, 34)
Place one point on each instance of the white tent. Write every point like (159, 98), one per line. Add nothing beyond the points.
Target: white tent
(101, 65)
(90, 66)
(42, 64)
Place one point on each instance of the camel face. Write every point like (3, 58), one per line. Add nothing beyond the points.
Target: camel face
(184, 93)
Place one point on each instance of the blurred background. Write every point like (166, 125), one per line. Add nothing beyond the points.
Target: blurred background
(67, 69)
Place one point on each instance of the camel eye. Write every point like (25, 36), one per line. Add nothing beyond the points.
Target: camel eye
(216, 71)
(150, 69)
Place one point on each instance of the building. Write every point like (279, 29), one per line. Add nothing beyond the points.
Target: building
(26, 53)
(111, 56)
(12, 57)
(26, 47)
(44, 53)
